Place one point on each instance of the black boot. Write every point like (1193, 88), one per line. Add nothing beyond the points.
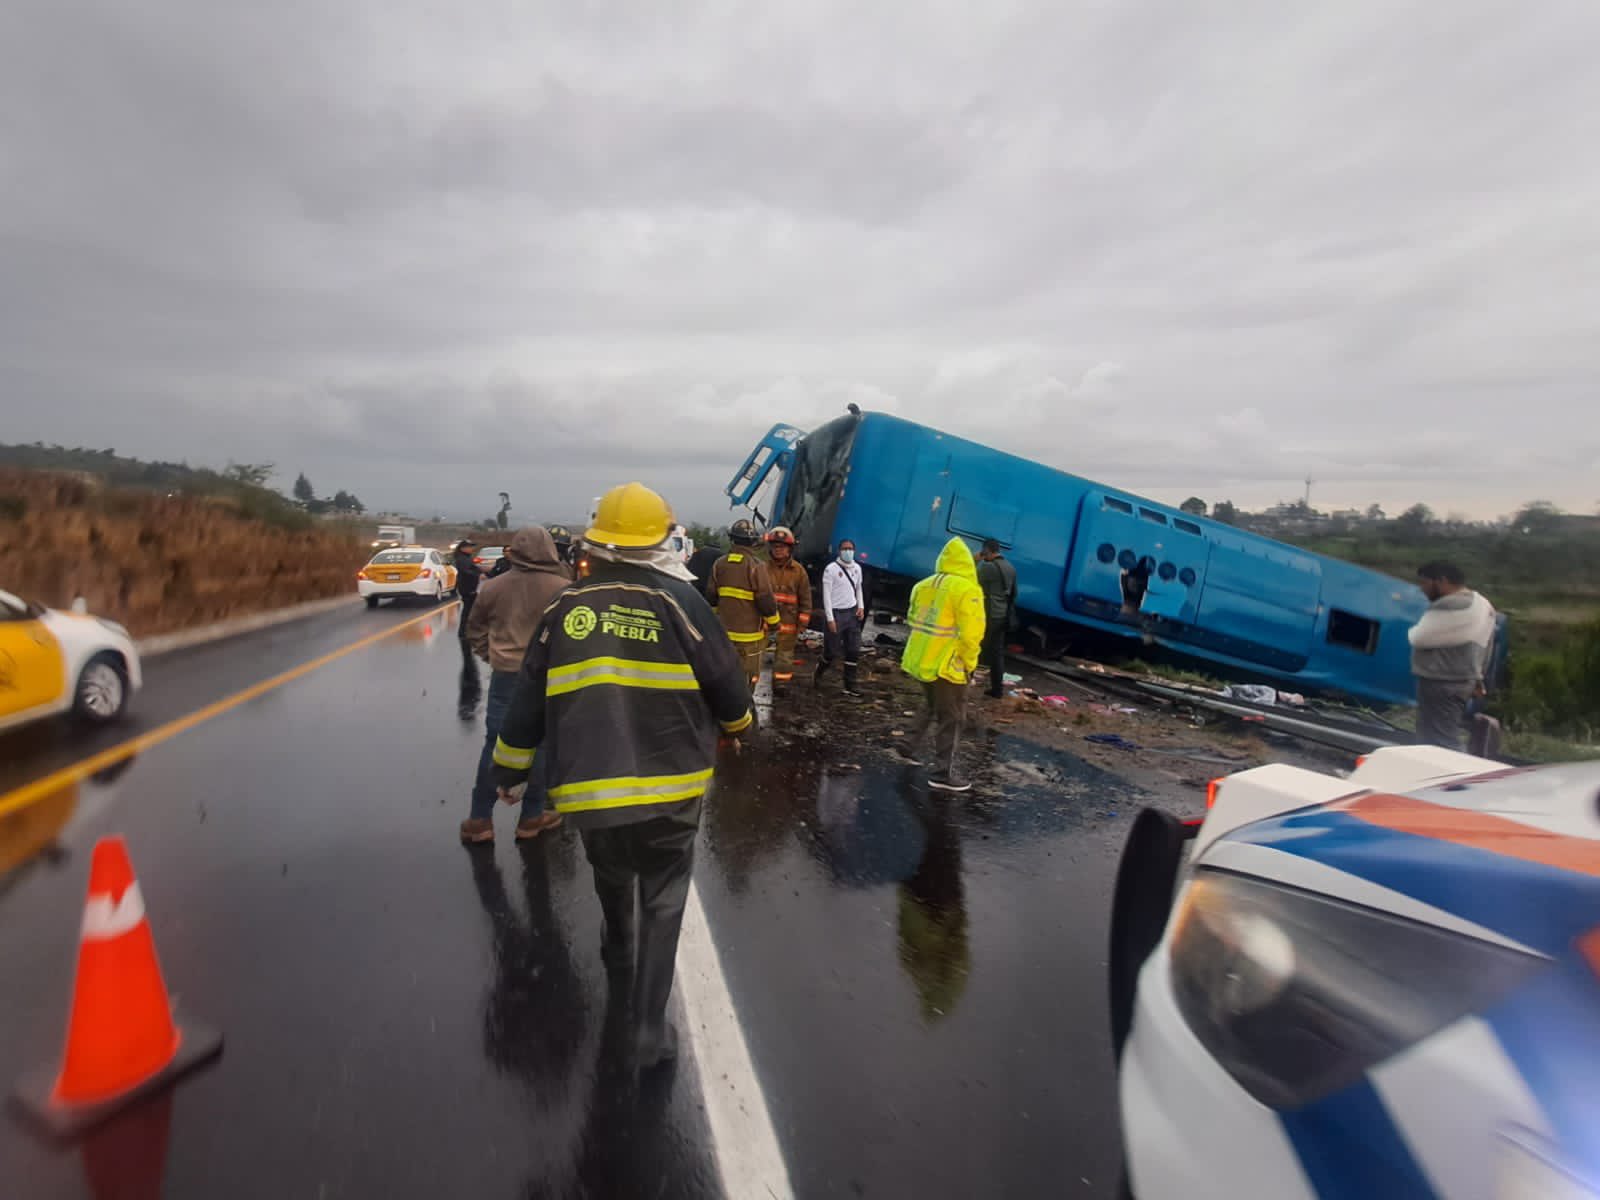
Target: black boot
(850, 688)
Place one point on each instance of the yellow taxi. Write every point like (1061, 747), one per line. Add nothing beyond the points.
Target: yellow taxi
(406, 571)
(55, 662)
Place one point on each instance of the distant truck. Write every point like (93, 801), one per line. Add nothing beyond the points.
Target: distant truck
(396, 535)
(1089, 557)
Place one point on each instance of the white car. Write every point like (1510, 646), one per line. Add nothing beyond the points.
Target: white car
(1380, 986)
(406, 571)
(54, 662)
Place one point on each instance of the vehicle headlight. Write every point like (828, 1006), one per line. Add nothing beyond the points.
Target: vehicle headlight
(1297, 994)
(115, 628)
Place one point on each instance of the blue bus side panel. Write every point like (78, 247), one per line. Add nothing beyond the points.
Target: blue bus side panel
(926, 485)
(1263, 593)
(1216, 592)
(1391, 605)
(875, 509)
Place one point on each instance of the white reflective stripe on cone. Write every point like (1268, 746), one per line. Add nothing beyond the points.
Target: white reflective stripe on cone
(105, 918)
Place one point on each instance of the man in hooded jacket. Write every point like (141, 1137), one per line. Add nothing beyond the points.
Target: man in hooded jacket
(501, 626)
(947, 623)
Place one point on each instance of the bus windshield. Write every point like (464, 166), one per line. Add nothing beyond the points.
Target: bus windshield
(816, 479)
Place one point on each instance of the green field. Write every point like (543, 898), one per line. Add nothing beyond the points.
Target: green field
(1546, 579)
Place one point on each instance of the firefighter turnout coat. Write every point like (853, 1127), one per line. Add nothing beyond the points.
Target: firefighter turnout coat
(791, 588)
(625, 687)
(741, 589)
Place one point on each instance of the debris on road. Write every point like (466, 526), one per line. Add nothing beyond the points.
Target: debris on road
(1112, 739)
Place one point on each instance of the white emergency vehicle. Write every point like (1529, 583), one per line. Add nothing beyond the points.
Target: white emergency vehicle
(1386, 985)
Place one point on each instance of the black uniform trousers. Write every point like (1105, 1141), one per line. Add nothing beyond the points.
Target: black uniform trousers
(994, 655)
(845, 644)
(641, 875)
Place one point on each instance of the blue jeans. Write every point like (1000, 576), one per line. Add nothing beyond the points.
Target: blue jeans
(484, 794)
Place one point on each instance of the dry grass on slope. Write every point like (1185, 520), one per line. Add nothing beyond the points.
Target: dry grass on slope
(156, 562)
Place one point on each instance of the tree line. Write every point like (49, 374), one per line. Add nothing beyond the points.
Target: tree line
(340, 502)
(246, 485)
(1535, 517)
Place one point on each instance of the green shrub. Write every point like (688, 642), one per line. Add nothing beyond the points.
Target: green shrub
(1557, 692)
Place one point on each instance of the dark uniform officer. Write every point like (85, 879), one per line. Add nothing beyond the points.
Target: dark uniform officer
(625, 688)
(468, 573)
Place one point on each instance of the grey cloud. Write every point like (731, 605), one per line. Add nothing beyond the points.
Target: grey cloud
(1179, 248)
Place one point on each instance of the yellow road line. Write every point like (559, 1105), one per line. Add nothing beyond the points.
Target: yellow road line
(30, 793)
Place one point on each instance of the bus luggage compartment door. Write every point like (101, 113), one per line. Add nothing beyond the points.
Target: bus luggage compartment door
(1259, 600)
(1135, 564)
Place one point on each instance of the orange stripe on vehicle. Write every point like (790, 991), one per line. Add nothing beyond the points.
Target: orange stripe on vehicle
(1589, 947)
(1481, 831)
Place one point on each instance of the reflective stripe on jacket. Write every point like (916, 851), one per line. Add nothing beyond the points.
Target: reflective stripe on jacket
(741, 590)
(946, 619)
(791, 588)
(624, 691)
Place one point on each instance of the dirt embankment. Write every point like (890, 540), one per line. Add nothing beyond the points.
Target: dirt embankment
(1160, 748)
(160, 563)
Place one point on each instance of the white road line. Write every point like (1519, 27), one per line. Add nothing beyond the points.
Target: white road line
(749, 1160)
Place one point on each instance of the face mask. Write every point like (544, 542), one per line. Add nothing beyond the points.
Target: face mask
(847, 556)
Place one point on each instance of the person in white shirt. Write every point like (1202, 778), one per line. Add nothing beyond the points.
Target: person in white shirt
(844, 605)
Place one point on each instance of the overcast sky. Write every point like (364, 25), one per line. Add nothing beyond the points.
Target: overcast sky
(431, 252)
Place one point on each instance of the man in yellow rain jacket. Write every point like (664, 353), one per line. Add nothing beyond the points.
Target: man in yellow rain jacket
(946, 619)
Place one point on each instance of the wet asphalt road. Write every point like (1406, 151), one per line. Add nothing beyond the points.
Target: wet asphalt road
(919, 979)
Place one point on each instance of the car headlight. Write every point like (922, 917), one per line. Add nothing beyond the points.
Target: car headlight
(119, 630)
(1297, 994)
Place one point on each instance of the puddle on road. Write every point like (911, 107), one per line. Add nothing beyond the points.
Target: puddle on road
(866, 822)
(40, 830)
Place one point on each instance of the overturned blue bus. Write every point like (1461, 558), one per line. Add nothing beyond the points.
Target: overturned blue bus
(1088, 557)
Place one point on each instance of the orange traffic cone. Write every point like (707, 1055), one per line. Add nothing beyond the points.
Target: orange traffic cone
(122, 1041)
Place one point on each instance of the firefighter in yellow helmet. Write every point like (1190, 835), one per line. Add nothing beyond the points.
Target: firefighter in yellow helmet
(791, 588)
(740, 589)
(947, 621)
(626, 686)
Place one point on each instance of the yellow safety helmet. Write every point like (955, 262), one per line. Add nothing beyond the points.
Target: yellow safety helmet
(630, 517)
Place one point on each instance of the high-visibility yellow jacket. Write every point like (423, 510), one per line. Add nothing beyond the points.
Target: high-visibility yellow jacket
(946, 619)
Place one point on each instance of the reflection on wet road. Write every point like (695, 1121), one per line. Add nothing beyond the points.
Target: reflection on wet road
(916, 979)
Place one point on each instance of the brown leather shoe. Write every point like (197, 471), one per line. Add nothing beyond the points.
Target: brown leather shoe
(534, 826)
(477, 829)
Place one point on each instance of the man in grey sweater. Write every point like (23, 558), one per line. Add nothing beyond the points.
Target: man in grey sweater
(1449, 652)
